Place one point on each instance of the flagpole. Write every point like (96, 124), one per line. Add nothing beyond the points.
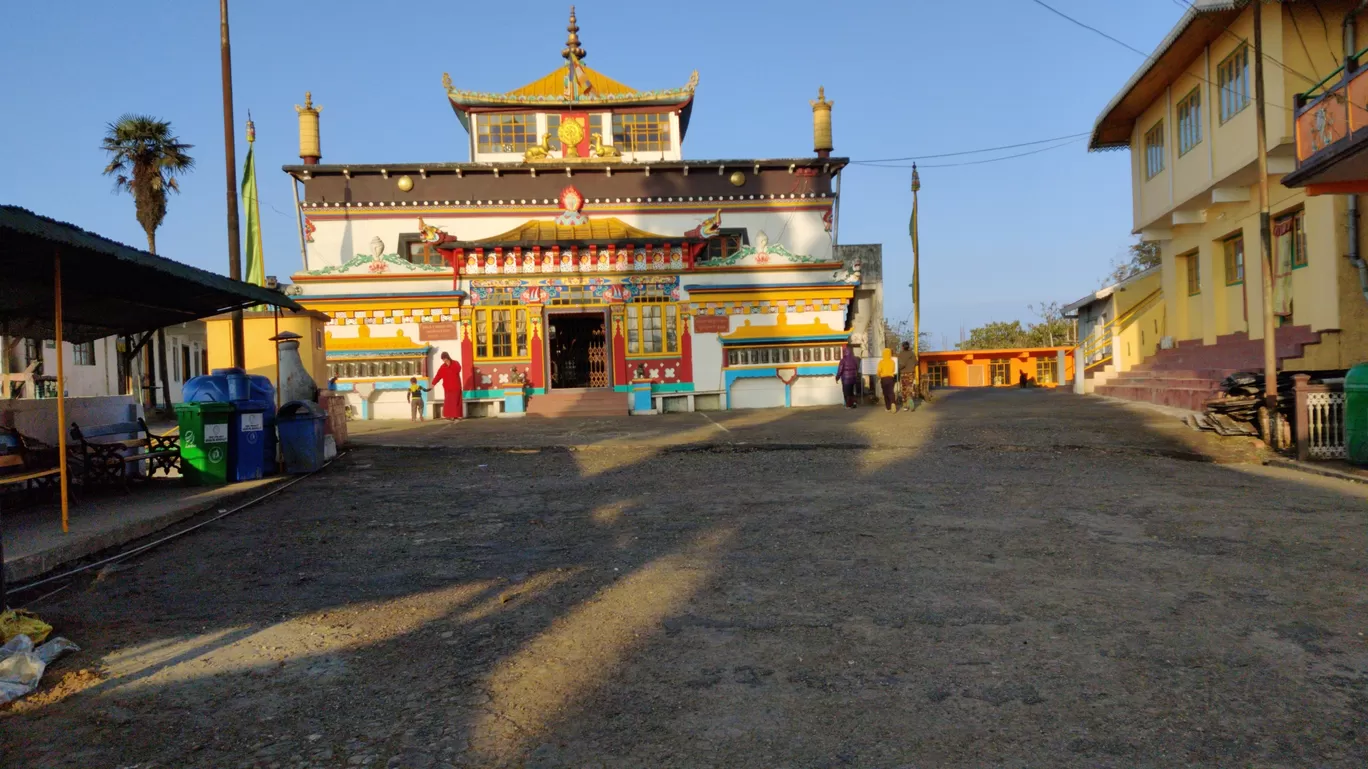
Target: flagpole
(230, 163)
(916, 286)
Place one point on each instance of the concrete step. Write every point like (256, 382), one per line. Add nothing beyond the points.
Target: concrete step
(1190, 398)
(583, 403)
(1187, 383)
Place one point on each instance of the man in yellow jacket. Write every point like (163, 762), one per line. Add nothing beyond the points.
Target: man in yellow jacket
(887, 371)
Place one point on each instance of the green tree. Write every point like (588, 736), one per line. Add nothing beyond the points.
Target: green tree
(1053, 330)
(1140, 256)
(144, 158)
(898, 331)
(998, 335)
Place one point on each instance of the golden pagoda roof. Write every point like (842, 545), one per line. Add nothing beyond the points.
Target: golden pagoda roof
(544, 232)
(570, 85)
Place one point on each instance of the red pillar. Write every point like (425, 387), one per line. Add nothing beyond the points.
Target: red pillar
(620, 375)
(685, 346)
(536, 370)
(467, 350)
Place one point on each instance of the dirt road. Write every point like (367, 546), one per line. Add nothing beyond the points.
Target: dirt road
(1011, 578)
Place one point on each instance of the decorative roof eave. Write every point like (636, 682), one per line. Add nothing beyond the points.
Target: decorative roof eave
(1113, 127)
(717, 166)
(463, 100)
(783, 332)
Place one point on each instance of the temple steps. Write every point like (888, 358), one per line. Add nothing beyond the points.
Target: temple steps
(578, 403)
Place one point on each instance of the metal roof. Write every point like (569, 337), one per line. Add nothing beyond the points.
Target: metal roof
(1103, 139)
(108, 288)
(1106, 291)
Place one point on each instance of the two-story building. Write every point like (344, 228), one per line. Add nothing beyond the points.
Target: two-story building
(579, 250)
(1188, 118)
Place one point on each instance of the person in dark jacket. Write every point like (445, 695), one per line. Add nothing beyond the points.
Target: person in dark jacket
(848, 374)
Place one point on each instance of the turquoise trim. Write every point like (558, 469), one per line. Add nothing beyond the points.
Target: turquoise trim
(345, 387)
(676, 387)
(622, 388)
(499, 393)
(701, 288)
(731, 375)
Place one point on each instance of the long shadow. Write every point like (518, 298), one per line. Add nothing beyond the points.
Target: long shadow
(1007, 578)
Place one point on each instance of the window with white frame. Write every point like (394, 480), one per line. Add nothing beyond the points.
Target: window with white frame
(1190, 121)
(1154, 150)
(1232, 78)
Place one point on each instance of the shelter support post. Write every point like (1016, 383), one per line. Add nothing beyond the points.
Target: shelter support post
(61, 389)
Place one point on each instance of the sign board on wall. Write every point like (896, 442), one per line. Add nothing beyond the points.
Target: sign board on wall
(712, 324)
(431, 332)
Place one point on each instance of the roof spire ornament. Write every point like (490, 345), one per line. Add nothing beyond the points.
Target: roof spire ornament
(572, 41)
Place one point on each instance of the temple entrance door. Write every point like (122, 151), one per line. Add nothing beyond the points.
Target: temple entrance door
(577, 350)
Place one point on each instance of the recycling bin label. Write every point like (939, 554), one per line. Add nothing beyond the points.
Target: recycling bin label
(252, 423)
(187, 438)
(216, 433)
(216, 454)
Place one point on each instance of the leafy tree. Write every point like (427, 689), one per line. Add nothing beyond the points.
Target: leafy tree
(144, 158)
(896, 332)
(1053, 330)
(998, 335)
(1140, 256)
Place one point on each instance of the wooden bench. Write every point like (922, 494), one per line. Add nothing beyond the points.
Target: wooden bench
(23, 465)
(106, 461)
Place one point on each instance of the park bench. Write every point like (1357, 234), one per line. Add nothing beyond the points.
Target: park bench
(24, 467)
(106, 461)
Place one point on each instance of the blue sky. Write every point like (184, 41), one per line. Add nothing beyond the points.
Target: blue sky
(911, 78)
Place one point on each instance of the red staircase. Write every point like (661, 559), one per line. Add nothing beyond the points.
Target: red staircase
(578, 403)
(1191, 373)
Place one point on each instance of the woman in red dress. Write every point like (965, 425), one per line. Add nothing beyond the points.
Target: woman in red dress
(449, 375)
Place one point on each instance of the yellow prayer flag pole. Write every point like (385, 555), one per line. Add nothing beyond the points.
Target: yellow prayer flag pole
(61, 387)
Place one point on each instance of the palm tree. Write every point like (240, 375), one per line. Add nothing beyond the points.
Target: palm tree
(144, 159)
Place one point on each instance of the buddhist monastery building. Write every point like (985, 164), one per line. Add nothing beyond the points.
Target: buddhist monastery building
(581, 252)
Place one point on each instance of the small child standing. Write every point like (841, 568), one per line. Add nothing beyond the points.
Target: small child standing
(415, 395)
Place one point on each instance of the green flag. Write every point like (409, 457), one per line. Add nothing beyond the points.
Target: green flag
(256, 263)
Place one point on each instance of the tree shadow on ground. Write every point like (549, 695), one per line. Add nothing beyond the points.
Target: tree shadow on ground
(1007, 577)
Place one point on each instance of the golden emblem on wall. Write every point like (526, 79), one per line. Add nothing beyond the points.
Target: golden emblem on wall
(571, 133)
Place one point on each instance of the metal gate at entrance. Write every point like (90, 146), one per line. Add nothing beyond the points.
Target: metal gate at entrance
(577, 350)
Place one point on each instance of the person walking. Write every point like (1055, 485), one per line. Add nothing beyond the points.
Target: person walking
(449, 375)
(886, 371)
(848, 374)
(907, 373)
(415, 395)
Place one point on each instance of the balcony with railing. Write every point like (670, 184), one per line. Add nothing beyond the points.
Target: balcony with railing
(1332, 132)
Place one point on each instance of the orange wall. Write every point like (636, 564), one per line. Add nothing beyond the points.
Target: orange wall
(959, 361)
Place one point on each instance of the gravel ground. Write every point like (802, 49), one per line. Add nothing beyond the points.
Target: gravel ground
(1009, 579)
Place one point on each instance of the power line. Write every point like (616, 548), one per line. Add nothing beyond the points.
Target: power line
(1073, 140)
(1147, 56)
(973, 152)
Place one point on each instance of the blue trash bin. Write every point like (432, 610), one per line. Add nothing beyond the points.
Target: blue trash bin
(300, 424)
(214, 388)
(247, 441)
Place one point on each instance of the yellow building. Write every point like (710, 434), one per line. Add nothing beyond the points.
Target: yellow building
(1188, 118)
(258, 328)
(1119, 326)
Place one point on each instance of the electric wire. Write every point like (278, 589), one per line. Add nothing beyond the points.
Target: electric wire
(1267, 55)
(973, 152)
(1074, 140)
(1151, 58)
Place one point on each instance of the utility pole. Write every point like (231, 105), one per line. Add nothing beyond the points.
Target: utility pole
(916, 285)
(1265, 237)
(230, 165)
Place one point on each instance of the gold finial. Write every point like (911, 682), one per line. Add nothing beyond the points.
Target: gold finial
(308, 105)
(251, 128)
(572, 41)
(821, 100)
(446, 81)
(309, 147)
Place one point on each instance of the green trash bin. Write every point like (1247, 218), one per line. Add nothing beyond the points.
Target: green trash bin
(204, 442)
(1356, 414)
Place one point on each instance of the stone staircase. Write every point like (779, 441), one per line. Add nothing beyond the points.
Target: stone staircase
(578, 403)
(1188, 375)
